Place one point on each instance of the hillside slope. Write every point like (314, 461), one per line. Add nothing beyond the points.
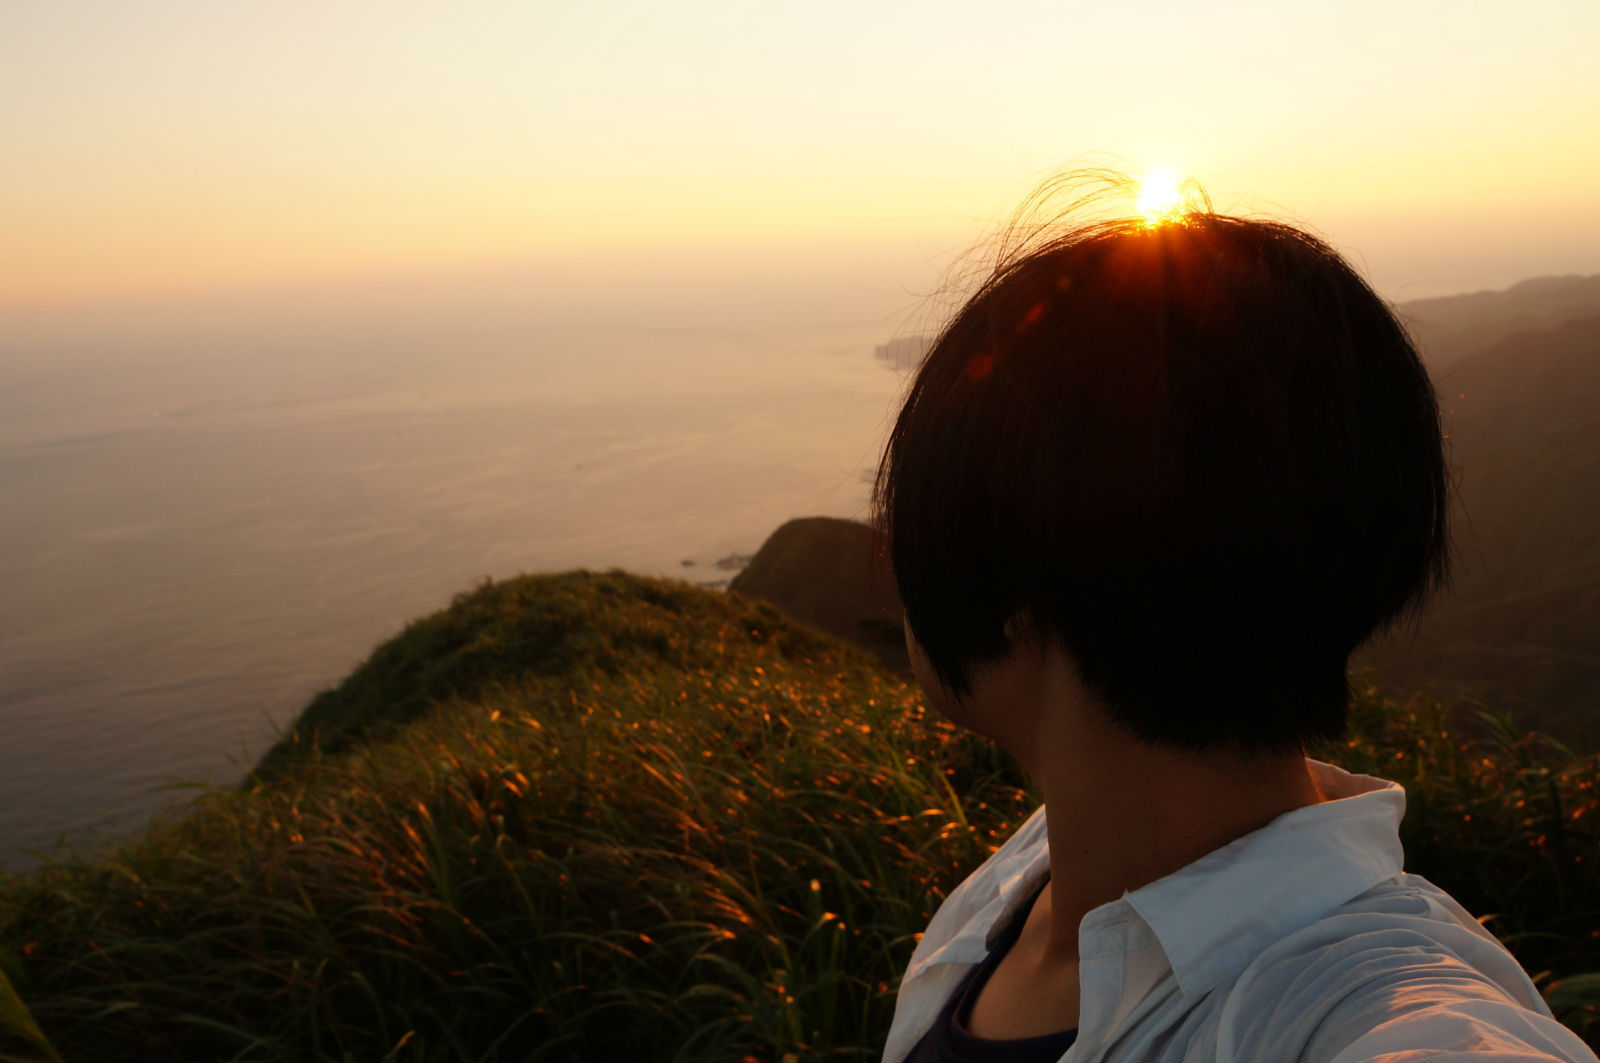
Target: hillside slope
(1520, 629)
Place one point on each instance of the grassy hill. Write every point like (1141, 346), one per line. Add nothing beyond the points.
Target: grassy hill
(604, 817)
(626, 819)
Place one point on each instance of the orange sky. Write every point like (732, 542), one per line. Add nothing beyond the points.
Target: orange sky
(169, 147)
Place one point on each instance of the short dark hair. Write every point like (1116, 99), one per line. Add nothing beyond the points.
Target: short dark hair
(1201, 454)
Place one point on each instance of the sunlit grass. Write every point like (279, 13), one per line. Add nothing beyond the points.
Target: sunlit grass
(641, 821)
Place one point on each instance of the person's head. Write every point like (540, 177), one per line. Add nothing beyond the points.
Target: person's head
(1201, 456)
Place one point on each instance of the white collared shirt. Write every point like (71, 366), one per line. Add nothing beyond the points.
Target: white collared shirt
(1301, 941)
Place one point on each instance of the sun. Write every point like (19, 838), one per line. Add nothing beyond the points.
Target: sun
(1160, 193)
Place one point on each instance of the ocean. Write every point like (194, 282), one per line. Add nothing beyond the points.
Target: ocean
(204, 526)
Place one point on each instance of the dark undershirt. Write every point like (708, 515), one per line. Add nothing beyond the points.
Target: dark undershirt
(949, 1041)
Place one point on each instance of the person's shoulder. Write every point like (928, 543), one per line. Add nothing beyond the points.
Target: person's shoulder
(1401, 971)
(1026, 849)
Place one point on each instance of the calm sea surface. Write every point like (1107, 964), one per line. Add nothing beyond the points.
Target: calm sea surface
(198, 534)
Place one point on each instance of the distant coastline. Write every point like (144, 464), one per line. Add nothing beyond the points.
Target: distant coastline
(903, 353)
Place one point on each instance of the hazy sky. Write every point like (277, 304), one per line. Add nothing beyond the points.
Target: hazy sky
(154, 147)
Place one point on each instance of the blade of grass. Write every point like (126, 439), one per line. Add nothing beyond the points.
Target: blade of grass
(17, 1020)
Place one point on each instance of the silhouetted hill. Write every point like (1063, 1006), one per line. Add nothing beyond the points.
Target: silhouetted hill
(1521, 628)
(1454, 327)
(1447, 329)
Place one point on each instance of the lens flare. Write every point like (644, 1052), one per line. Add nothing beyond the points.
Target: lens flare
(1160, 193)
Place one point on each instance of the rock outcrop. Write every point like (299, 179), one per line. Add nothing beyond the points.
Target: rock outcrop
(825, 572)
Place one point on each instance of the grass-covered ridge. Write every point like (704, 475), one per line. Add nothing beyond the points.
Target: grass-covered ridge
(533, 629)
(605, 817)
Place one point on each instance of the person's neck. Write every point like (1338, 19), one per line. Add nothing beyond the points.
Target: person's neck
(1123, 813)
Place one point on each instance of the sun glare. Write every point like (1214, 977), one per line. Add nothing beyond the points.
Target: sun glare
(1160, 193)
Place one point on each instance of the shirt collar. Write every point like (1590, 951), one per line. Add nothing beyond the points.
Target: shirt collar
(1214, 915)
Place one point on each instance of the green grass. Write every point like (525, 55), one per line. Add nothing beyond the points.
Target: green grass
(602, 817)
